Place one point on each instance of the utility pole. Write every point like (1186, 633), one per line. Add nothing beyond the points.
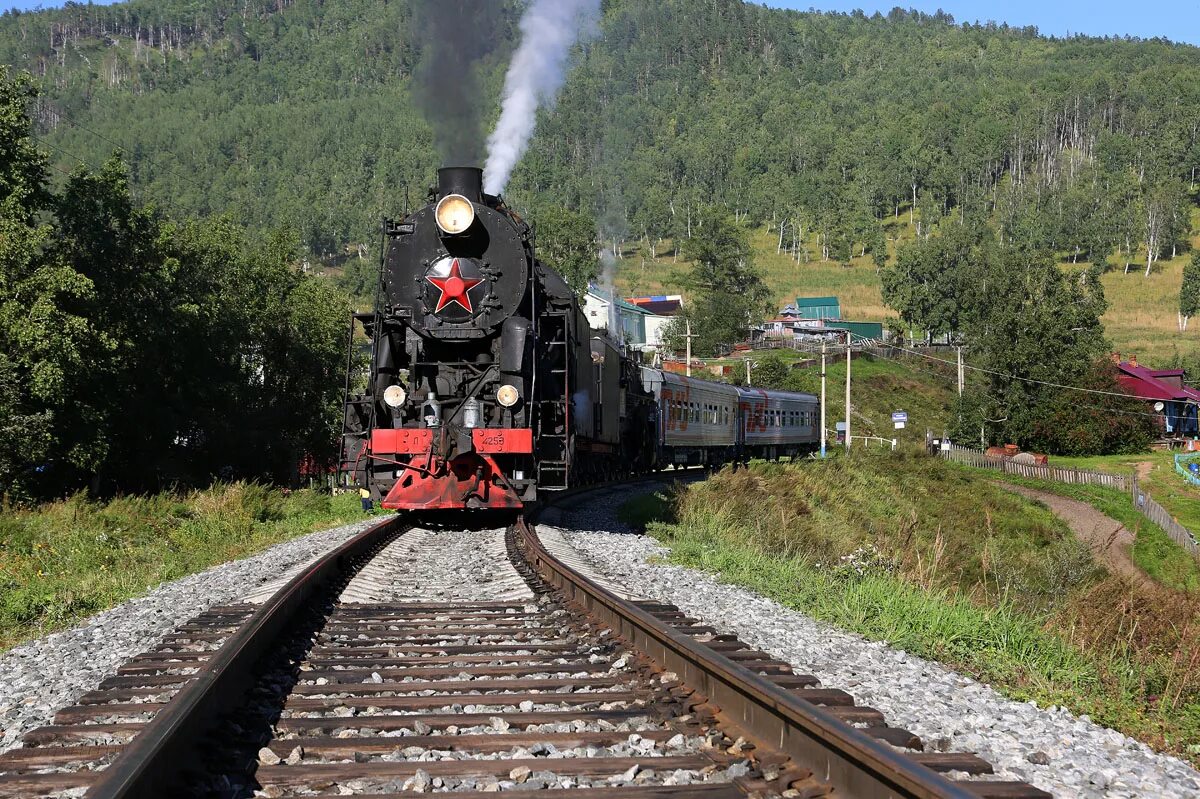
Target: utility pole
(688, 336)
(961, 373)
(823, 398)
(848, 334)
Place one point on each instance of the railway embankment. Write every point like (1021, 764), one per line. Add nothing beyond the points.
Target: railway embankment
(66, 560)
(942, 563)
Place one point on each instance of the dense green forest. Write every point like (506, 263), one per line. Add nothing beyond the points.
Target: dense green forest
(987, 155)
(140, 351)
(300, 112)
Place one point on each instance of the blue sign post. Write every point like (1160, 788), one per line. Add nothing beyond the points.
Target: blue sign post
(900, 419)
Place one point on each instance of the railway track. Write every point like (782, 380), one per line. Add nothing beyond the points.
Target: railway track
(415, 660)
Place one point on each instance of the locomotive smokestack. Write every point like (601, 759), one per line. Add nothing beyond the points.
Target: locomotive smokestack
(464, 180)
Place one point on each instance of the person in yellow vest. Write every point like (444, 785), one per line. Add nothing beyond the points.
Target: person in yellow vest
(367, 505)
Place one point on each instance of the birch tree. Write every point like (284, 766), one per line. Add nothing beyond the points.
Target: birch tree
(1189, 292)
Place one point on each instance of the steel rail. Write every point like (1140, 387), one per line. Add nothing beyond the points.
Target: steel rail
(858, 765)
(152, 763)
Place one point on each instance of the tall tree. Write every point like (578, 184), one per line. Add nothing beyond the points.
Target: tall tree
(137, 352)
(567, 242)
(729, 294)
(931, 282)
(1189, 291)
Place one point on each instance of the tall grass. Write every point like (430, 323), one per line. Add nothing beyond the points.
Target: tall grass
(65, 560)
(945, 564)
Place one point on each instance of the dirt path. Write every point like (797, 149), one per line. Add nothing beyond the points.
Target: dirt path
(1108, 539)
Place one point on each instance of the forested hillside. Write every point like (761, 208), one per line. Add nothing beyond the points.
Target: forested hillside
(834, 137)
(140, 351)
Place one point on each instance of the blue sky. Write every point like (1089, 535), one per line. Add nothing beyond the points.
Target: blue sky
(1178, 20)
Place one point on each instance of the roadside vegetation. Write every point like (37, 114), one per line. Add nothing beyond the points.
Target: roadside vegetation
(1156, 473)
(940, 561)
(1153, 550)
(67, 560)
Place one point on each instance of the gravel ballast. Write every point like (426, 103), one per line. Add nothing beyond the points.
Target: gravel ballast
(1052, 748)
(49, 673)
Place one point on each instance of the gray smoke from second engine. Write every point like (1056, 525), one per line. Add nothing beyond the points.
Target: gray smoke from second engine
(453, 36)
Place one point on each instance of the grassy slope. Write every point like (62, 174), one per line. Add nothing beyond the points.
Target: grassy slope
(878, 387)
(67, 560)
(939, 561)
(1141, 316)
(1153, 549)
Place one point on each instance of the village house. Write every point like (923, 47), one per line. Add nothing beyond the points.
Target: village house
(1173, 403)
(659, 310)
(813, 319)
(640, 319)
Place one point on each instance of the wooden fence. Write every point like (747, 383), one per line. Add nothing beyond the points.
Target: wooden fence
(1183, 470)
(1059, 474)
(1142, 501)
(1158, 514)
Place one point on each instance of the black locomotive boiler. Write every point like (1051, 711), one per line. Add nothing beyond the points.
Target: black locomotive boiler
(486, 384)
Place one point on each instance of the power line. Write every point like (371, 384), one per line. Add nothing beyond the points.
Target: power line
(67, 153)
(1025, 379)
(948, 378)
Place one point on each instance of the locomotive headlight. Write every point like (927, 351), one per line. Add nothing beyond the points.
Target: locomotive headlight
(507, 396)
(454, 214)
(394, 396)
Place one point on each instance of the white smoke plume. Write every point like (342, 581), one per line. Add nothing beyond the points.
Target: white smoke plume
(538, 70)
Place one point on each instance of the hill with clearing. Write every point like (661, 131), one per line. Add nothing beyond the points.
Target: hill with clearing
(834, 137)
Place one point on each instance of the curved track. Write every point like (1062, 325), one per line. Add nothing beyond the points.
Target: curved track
(539, 676)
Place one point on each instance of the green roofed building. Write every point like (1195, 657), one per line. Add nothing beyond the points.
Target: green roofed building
(814, 308)
(859, 330)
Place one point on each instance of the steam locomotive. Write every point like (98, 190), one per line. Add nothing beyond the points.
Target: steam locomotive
(487, 386)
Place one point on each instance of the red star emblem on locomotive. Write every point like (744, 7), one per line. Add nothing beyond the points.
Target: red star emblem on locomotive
(455, 288)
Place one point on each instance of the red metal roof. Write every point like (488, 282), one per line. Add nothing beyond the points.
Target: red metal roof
(1144, 384)
(656, 305)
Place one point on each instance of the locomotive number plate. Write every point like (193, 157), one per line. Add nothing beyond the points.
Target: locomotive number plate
(517, 440)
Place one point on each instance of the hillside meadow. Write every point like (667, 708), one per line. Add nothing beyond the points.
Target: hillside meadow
(1141, 317)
